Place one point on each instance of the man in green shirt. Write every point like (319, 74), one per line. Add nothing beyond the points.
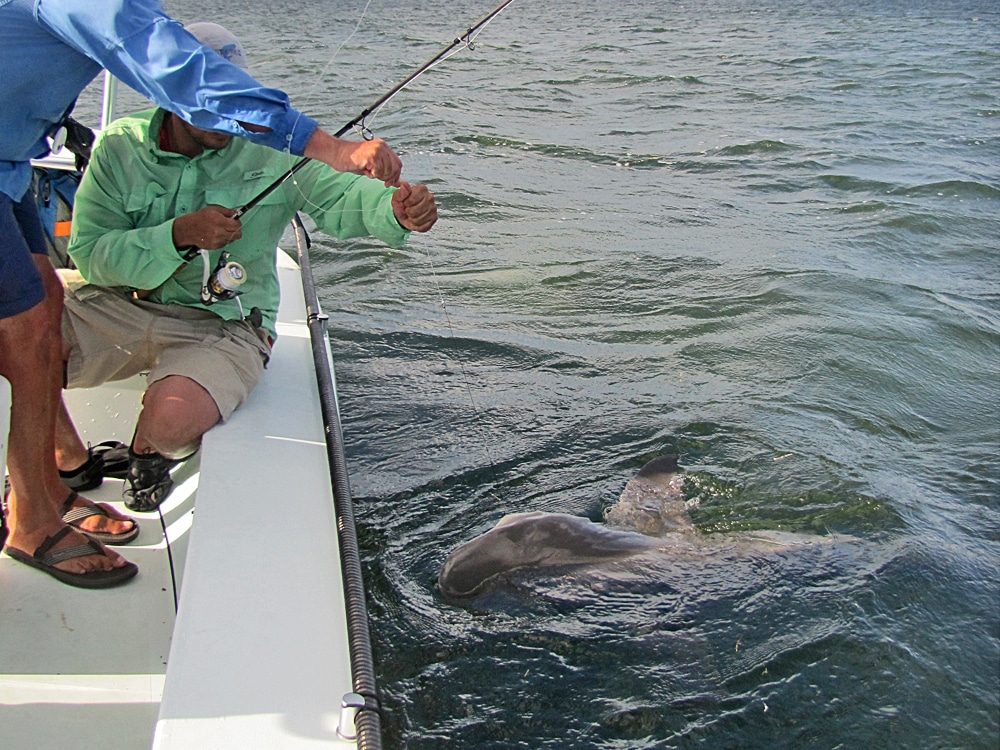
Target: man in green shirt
(157, 186)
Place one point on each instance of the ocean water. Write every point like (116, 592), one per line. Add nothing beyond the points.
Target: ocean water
(764, 236)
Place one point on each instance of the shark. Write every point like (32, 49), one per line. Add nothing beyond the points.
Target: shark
(651, 515)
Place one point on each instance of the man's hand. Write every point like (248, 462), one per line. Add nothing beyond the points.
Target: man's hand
(414, 208)
(210, 228)
(376, 160)
(369, 158)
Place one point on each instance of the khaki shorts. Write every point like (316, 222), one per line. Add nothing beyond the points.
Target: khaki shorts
(112, 337)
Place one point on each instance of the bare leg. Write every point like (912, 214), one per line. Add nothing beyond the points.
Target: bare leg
(71, 453)
(35, 377)
(176, 413)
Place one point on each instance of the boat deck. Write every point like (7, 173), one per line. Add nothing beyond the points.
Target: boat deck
(76, 662)
(256, 655)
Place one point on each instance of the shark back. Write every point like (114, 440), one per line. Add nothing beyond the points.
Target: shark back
(537, 540)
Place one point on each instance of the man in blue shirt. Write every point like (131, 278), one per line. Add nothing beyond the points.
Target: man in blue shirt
(49, 52)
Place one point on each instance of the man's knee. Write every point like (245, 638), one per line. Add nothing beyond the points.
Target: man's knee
(176, 412)
(54, 292)
(33, 335)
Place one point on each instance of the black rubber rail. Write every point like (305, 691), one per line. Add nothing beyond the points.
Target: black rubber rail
(368, 720)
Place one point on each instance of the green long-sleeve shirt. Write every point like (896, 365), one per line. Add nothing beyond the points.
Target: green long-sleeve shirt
(132, 191)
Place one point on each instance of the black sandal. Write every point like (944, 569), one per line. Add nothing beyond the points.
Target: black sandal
(115, 457)
(45, 560)
(148, 482)
(87, 476)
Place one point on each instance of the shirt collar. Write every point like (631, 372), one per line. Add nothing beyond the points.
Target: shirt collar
(155, 136)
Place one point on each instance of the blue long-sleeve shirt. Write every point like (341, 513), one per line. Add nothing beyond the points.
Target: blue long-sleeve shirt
(50, 50)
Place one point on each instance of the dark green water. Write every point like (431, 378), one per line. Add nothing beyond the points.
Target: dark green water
(763, 235)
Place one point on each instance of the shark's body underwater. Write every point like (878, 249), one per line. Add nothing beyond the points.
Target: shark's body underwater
(650, 515)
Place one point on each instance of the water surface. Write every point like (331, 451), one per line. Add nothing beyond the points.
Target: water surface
(763, 235)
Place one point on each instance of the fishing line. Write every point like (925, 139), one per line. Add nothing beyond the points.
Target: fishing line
(465, 41)
(462, 41)
(362, 124)
(466, 379)
(322, 73)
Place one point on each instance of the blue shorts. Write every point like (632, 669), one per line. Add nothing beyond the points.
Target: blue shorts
(21, 236)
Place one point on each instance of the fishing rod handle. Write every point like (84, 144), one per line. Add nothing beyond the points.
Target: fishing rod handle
(189, 252)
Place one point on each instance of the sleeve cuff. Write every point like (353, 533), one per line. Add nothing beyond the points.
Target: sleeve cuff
(301, 130)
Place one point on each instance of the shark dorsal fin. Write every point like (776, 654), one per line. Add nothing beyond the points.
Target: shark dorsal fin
(659, 469)
(652, 502)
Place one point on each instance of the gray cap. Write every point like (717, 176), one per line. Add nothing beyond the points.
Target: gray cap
(221, 39)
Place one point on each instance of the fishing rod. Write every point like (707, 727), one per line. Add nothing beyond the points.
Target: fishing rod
(191, 252)
(463, 40)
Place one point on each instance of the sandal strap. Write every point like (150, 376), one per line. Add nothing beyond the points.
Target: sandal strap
(107, 445)
(73, 516)
(44, 556)
(80, 550)
(68, 505)
(51, 541)
(78, 514)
